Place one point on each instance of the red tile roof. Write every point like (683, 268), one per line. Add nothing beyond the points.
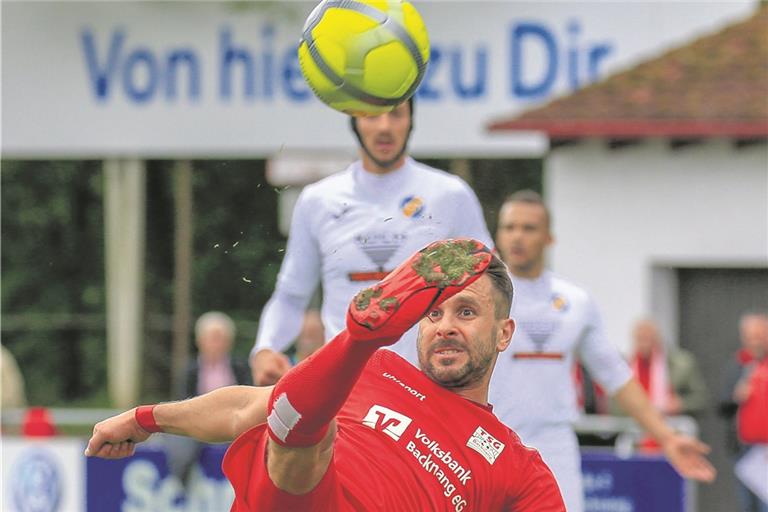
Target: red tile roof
(714, 86)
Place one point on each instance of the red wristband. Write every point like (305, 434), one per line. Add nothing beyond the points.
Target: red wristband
(145, 417)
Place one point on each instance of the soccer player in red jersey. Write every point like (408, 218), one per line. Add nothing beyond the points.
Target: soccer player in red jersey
(357, 428)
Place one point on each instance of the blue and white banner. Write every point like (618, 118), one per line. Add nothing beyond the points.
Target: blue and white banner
(633, 484)
(53, 475)
(183, 79)
(143, 483)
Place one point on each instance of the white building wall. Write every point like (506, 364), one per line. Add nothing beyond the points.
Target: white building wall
(622, 218)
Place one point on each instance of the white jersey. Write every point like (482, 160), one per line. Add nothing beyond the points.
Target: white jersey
(351, 229)
(532, 386)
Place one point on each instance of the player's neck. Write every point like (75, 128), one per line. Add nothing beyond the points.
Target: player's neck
(477, 392)
(533, 271)
(379, 168)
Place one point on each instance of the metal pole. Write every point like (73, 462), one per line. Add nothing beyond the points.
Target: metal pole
(182, 282)
(124, 211)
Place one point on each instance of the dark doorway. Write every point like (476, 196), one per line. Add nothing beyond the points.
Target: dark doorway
(711, 302)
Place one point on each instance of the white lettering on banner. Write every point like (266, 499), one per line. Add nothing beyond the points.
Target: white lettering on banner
(597, 482)
(120, 65)
(146, 491)
(206, 494)
(608, 504)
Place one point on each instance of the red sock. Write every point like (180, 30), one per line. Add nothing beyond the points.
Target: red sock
(307, 398)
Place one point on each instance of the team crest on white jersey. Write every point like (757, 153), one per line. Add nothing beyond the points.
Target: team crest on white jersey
(386, 420)
(559, 303)
(486, 445)
(412, 206)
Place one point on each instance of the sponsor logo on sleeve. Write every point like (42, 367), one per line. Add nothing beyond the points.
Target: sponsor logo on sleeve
(486, 445)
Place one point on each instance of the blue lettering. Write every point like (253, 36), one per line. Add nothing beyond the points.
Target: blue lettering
(597, 54)
(268, 75)
(426, 90)
(477, 88)
(140, 62)
(538, 32)
(573, 54)
(229, 56)
(293, 81)
(190, 62)
(101, 76)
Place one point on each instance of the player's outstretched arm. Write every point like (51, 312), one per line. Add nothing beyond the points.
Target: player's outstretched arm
(218, 416)
(686, 454)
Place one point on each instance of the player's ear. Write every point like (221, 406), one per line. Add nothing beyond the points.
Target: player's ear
(506, 328)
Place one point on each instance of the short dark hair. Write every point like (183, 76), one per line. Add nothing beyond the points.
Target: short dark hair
(528, 196)
(499, 275)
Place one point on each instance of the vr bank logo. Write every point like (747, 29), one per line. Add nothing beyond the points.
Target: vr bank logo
(386, 420)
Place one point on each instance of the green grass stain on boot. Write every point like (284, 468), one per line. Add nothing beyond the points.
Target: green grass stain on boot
(363, 299)
(389, 303)
(454, 260)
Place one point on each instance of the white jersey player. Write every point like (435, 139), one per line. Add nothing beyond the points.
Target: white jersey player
(349, 230)
(532, 389)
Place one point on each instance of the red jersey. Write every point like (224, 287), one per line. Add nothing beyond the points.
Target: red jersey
(404, 442)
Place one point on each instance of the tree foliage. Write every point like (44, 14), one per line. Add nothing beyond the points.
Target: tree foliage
(53, 294)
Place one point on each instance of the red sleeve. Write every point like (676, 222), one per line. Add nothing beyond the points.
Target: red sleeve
(534, 487)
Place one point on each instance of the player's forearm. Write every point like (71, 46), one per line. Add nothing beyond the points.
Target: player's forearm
(218, 416)
(280, 322)
(632, 398)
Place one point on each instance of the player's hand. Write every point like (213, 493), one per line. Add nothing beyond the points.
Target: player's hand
(268, 366)
(688, 456)
(116, 437)
(674, 405)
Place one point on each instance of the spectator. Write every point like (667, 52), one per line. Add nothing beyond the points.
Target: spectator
(669, 375)
(753, 335)
(213, 368)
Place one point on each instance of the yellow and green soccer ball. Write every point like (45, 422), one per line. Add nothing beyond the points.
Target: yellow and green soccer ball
(364, 57)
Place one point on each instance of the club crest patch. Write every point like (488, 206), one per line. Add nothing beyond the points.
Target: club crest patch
(486, 445)
(412, 206)
(559, 303)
